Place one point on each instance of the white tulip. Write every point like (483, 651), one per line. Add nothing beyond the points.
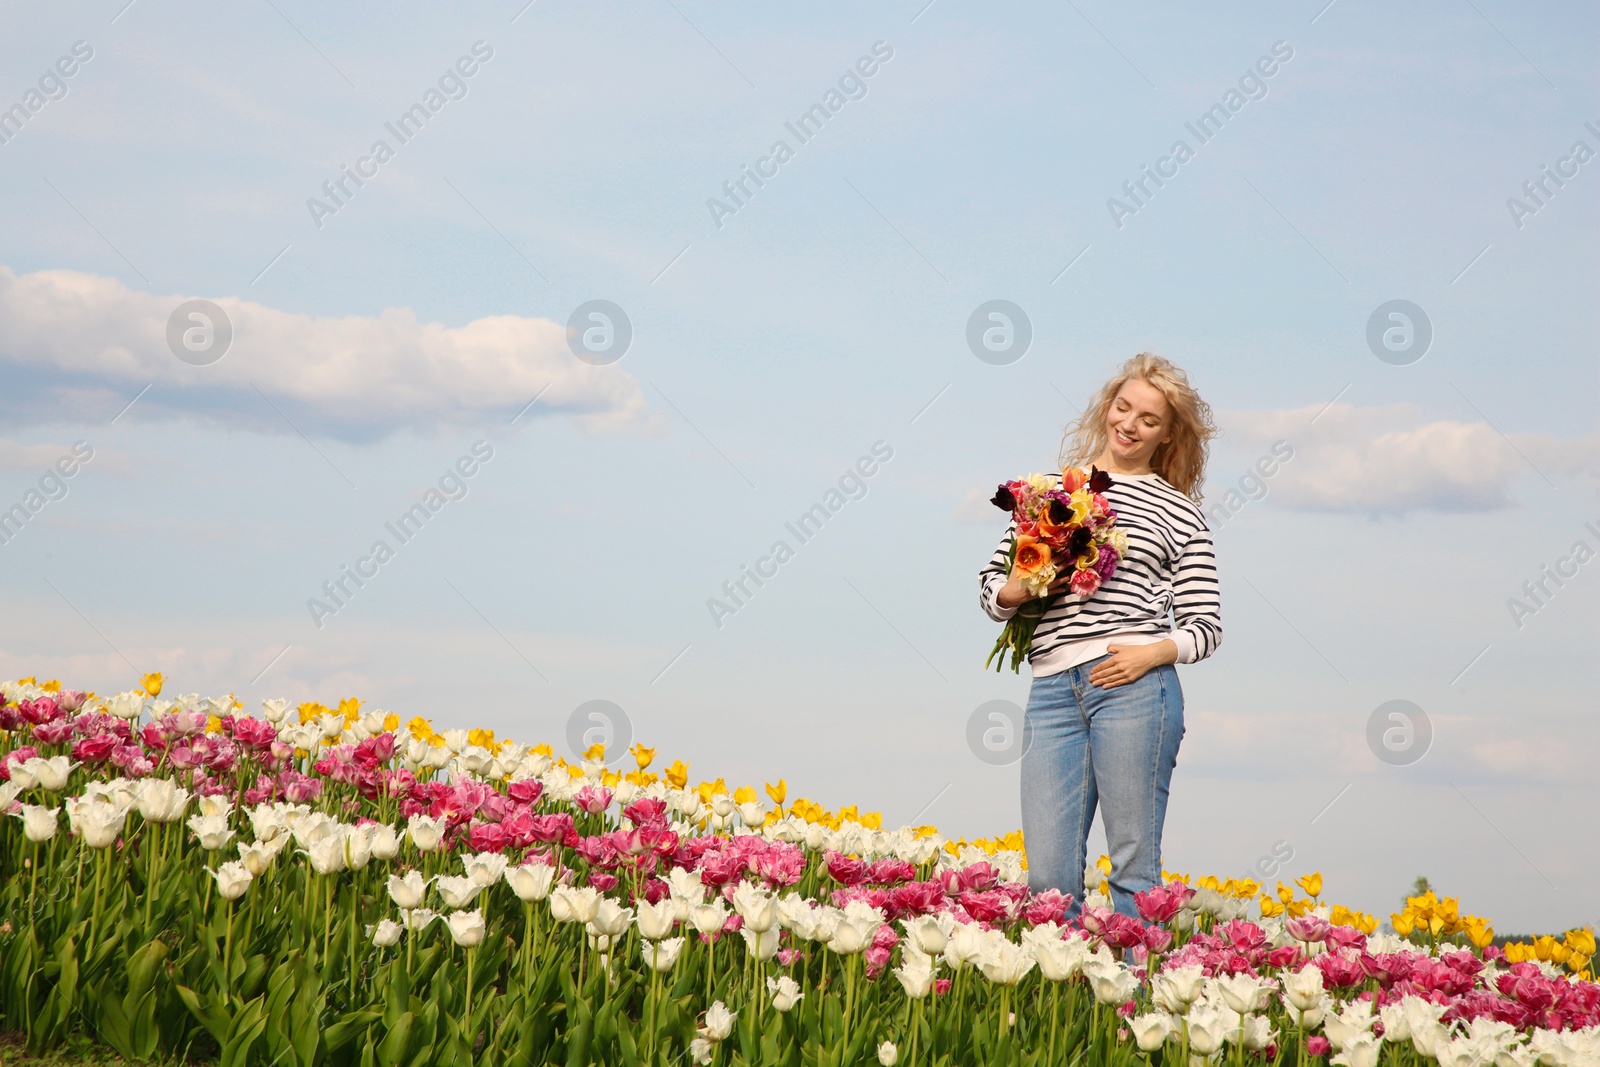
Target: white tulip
(661, 955)
(785, 992)
(385, 842)
(1303, 988)
(39, 823)
(100, 823)
(417, 919)
(128, 705)
(1006, 963)
(1255, 1031)
(852, 936)
(215, 804)
(755, 906)
(211, 831)
(161, 800)
(719, 1022)
(49, 774)
(655, 920)
(485, 868)
(357, 845)
(925, 934)
(426, 832)
(255, 857)
(467, 928)
(1207, 1029)
(709, 918)
(387, 932)
(1175, 988)
(530, 881)
(1151, 1030)
(888, 1054)
(915, 973)
(1244, 992)
(326, 855)
(407, 890)
(752, 813)
(1113, 985)
(763, 945)
(1362, 1051)
(331, 725)
(611, 918)
(457, 891)
(965, 945)
(276, 710)
(701, 1051)
(232, 880)
(574, 904)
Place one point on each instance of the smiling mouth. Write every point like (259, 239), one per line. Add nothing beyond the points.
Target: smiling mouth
(1121, 439)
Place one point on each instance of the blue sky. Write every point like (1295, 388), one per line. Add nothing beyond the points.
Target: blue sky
(826, 315)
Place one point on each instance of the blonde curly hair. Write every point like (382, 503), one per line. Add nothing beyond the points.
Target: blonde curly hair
(1181, 461)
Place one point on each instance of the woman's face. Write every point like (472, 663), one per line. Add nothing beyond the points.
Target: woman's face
(1136, 423)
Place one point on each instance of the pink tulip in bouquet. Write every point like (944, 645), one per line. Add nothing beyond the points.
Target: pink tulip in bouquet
(1066, 530)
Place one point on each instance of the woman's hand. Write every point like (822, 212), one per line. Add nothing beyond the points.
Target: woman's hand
(1129, 663)
(1014, 592)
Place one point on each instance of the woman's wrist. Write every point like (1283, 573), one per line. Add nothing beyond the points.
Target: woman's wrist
(1012, 594)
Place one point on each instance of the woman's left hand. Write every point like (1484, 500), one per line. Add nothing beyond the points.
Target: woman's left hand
(1129, 663)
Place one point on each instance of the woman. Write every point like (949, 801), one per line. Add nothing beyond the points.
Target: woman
(1105, 711)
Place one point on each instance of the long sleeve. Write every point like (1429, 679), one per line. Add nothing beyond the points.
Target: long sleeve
(1196, 599)
(994, 576)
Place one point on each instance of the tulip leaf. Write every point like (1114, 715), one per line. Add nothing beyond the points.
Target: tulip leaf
(392, 1049)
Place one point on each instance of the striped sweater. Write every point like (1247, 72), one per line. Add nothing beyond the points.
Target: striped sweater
(1170, 568)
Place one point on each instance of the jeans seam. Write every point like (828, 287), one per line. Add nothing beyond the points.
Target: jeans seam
(1155, 776)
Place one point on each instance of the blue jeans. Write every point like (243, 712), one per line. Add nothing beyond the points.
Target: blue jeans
(1086, 746)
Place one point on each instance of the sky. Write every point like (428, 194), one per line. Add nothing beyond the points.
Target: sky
(399, 220)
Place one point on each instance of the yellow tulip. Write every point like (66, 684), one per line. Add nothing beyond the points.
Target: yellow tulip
(641, 755)
(1480, 933)
(678, 774)
(1285, 893)
(1311, 883)
(1435, 925)
(152, 683)
(595, 751)
(481, 738)
(610, 779)
(391, 723)
(350, 708)
(1104, 863)
(213, 724)
(1403, 922)
(1246, 889)
(744, 794)
(1581, 940)
(52, 686)
(1578, 962)
(778, 792)
(1269, 906)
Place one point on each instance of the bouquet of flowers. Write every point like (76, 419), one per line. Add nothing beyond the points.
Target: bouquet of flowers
(1062, 530)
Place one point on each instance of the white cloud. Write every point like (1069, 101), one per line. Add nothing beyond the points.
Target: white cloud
(1390, 460)
(77, 343)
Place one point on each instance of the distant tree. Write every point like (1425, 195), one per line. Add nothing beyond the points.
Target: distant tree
(1420, 886)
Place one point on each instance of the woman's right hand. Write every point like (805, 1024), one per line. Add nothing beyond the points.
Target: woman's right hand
(1014, 593)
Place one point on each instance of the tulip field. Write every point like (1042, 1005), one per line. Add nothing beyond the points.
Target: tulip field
(326, 886)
